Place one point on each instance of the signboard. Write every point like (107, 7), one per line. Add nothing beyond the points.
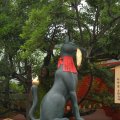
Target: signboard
(117, 84)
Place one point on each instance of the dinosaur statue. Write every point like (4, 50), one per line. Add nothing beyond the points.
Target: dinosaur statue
(63, 89)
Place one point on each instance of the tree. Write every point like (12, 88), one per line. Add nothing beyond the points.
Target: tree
(94, 22)
(12, 66)
(92, 25)
(31, 28)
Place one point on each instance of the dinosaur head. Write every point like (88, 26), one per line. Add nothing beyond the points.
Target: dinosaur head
(70, 49)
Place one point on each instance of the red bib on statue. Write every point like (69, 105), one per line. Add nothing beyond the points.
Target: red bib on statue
(68, 64)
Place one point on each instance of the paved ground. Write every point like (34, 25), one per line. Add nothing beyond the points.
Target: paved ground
(99, 114)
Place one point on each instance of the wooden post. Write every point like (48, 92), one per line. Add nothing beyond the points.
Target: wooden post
(117, 84)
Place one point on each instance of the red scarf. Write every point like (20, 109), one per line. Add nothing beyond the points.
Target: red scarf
(68, 64)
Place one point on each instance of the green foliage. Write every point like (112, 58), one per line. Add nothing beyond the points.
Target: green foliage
(5, 68)
(105, 74)
(95, 3)
(35, 30)
(17, 88)
(104, 97)
(114, 40)
(30, 28)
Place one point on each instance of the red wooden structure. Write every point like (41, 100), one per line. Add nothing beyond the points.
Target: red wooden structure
(84, 86)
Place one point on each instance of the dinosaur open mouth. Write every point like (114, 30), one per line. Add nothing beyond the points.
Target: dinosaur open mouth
(78, 57)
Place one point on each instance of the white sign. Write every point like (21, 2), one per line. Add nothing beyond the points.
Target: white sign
(117, 84)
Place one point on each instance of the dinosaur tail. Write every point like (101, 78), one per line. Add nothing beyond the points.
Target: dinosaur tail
(35, 100)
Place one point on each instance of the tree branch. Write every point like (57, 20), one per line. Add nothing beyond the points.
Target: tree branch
(88, 30)
(50, 49)
(19, 77)
(107, 27)
(109, 9)
(103, 57)
(78, 19)
(95, 23)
